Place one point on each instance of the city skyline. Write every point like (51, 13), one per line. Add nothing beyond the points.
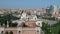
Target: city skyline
(28, 3)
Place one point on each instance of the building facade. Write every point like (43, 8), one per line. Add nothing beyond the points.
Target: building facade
(20, 30)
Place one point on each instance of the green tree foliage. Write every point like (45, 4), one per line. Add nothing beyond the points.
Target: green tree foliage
(11, 32)
(59, 32)
(9, 18)
(6, 32)
(14, 24)
(53, 29)
(46, 28)
(49, 18)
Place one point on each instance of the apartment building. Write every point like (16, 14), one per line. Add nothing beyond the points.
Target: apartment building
(41, 12)
(20, 30)
(29, 27)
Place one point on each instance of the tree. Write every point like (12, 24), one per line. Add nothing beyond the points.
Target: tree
(6, 32)
(11, 32)
(24, 25)
(2, 20)
(14, 24)
(45, 28)
(9, 18)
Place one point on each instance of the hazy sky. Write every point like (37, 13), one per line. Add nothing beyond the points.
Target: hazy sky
(28, 3)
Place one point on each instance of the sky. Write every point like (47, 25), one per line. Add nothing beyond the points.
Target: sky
(28, 3)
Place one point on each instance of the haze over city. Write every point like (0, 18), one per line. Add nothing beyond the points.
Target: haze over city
(29, 16)
(28, 3)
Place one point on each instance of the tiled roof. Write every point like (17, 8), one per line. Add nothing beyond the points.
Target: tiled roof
(31, 24)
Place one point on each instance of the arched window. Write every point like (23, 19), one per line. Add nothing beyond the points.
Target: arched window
(19, 32)
(2, 32)
(39, 24)
(37, 31)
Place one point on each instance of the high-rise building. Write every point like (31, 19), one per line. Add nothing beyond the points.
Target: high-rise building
(52, 8)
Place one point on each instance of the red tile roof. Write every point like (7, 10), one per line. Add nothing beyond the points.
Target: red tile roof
(31, 24)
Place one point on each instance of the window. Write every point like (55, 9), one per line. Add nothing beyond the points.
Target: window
(1, 32)
(39, 24)
(19, 31)
(37, 31)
